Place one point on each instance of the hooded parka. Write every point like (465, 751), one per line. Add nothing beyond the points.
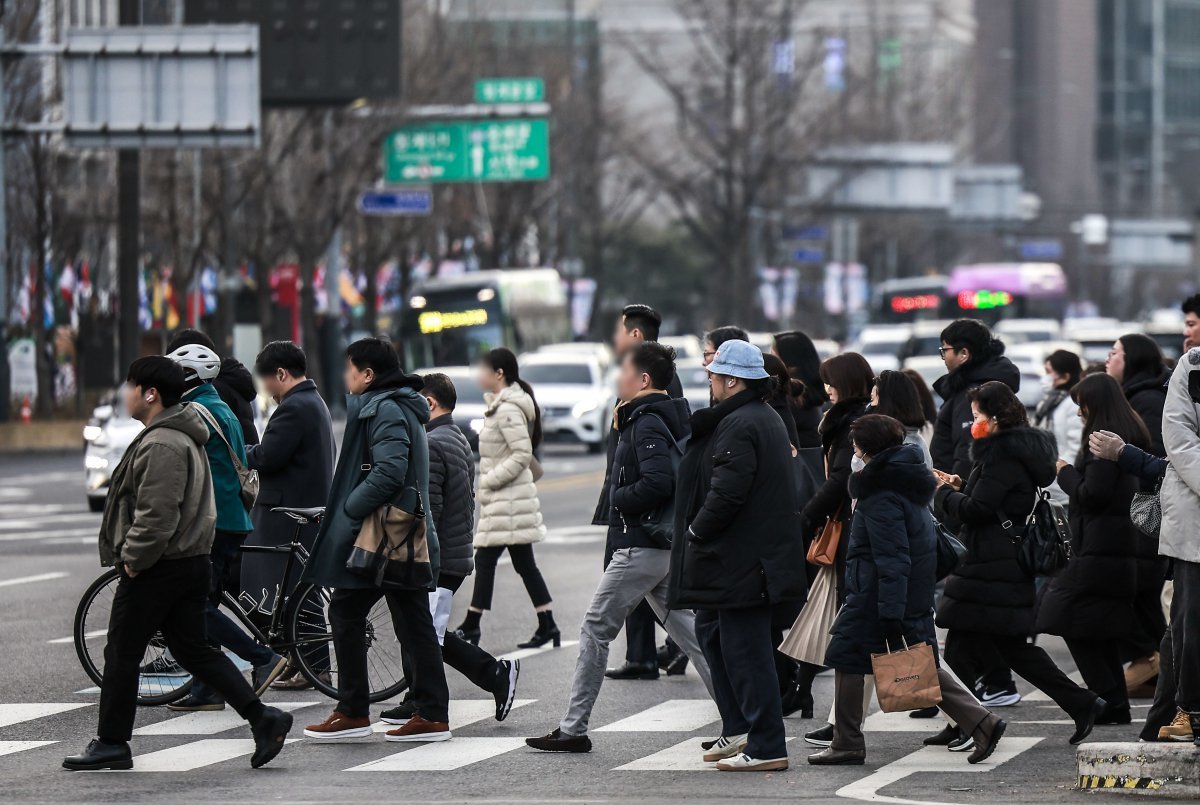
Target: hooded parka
(510, 513)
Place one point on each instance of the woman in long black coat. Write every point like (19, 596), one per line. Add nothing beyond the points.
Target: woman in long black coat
(891, 563)
(1136, 362)
(799, 355)
(988, 603)
(1090, 603)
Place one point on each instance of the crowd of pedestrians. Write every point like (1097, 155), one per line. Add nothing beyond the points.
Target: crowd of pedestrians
(796, 525)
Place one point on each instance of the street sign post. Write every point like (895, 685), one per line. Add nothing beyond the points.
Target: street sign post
(468, 151)
(400, 201)
(510, 90)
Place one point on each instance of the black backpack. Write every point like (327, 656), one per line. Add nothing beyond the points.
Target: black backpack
(1044, 544)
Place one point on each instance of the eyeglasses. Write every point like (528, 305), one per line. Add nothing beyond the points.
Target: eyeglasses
(710, 353)
(943, 350)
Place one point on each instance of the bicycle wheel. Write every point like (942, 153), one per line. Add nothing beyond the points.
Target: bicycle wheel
(308, 631)
(162, 681)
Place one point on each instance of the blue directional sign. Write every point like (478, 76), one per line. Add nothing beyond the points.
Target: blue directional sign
(1041, 249)
(398, 201)
(809, 255)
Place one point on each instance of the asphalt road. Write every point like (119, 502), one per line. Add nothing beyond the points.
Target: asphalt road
(646, 734)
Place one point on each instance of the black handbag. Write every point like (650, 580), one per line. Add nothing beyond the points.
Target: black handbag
(1044, 544)
(950, 550)
(659, 522)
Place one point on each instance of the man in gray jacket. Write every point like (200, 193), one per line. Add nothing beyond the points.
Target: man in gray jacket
(158, 526)
(1180, 496)
(452, 509)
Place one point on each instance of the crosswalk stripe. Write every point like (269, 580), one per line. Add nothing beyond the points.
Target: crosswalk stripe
(16, 713)
(32, 579)
(11, 747)
(464, 712)
(79, 535)
(900, 722)
(1039, 696)
(933, 759)
(684, 756)
(71, 638)
(446, 756)
(673, 715)
(195, 755)
(522, 653)
(208, 723)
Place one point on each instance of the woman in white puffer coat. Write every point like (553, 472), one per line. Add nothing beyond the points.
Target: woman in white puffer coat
(510, 514)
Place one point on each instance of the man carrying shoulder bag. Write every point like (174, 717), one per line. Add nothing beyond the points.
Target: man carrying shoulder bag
(378, 497)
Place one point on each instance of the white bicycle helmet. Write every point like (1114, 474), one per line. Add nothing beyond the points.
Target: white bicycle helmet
(198, 361)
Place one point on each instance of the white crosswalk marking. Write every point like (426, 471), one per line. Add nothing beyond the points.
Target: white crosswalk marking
(86, 636)
(929, 759)
(208, 723)
(900, 722)
(32, 579)
(446, 756)
(16, 713)
(194, 755)
(522, 653)
(1039, 696)
(673, 715)
(11, 747)
(464, 712)
(684, 756)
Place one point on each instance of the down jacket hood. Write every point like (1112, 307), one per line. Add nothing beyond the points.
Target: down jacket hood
(674, 412)
(512, 394)
(899, 469)
(238, 378)
(1034, 448)
(996, 367)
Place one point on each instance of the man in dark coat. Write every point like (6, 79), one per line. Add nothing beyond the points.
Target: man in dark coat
(384, 461)
(452, 510)
(234, 385)
(738, 550)
(972, 358)
(638, 324)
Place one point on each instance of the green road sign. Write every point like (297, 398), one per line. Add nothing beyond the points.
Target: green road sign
(468, 151)
(510, 90)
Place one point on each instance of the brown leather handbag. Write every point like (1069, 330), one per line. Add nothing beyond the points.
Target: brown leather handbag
(823, 549)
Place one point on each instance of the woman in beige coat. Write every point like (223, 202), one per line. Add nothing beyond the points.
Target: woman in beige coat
(510, 515)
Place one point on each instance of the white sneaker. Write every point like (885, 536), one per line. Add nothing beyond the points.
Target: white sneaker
(743, 762)
(725, 747)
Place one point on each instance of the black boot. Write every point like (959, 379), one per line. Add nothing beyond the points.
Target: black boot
(469, 629)
(270, 731)
(546, 631)
(99, 755)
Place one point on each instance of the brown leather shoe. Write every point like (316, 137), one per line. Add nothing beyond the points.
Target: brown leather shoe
(838, 757)
(420, 729)
(339, 727)
(1141, 671)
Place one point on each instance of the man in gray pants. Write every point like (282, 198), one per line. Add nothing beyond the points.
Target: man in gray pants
(653, 428)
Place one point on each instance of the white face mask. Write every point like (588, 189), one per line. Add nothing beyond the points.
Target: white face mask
(856, 464)
(1047, 383)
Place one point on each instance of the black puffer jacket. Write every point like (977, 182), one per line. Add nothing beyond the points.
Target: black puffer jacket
(1147, 394)
(833, 497)
(235, 386)
(452, 494)
(891, 559)
(1093, 597)
(643, 471)
(989, 592)
(737, 530)
(951, 443)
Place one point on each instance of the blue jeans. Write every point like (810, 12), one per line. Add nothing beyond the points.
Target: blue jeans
(223, 631)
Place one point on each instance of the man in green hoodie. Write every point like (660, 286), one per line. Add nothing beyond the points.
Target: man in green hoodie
(200, 367)
(158, 526)
(384, 462)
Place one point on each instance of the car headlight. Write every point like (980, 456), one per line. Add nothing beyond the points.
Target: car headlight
(95, 462)
(477, 425)
(583, 408)
(92, 432)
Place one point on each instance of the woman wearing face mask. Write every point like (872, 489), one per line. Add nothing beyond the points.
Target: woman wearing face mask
(1057, 412)
(989, 600)
(1090, 603)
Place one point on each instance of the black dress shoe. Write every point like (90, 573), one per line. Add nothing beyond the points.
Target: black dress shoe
(820, 737)
(557, 742)
(678, 665)
(838, 757)
(270, 733)
(985, 745)
(948, 734)
(924, 712)
(99, 755)
(634, 670)
(1087, 719)
(1115, 715)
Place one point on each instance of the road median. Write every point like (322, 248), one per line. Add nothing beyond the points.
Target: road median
(1166, 770)
(25, 437)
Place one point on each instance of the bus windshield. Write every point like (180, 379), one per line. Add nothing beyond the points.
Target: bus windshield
(451, 327)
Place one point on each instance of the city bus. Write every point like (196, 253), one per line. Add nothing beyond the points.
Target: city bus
(453, 321)
(994, 291)
(911, 299)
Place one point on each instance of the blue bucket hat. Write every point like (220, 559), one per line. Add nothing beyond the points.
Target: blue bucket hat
(739, 359)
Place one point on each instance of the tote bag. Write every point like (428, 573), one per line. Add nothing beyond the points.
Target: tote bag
(907, 679)
(809, 637)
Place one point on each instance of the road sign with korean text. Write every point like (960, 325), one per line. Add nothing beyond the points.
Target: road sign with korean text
(514, 150)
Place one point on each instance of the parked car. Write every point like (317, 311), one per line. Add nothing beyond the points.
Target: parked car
(1020, 331)
(468, 413)
(925, 340)
(575, 395)
(107, 435)
(1166, 328)
(882, 344)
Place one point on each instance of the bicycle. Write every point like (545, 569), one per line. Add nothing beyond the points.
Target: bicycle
(297, 627)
